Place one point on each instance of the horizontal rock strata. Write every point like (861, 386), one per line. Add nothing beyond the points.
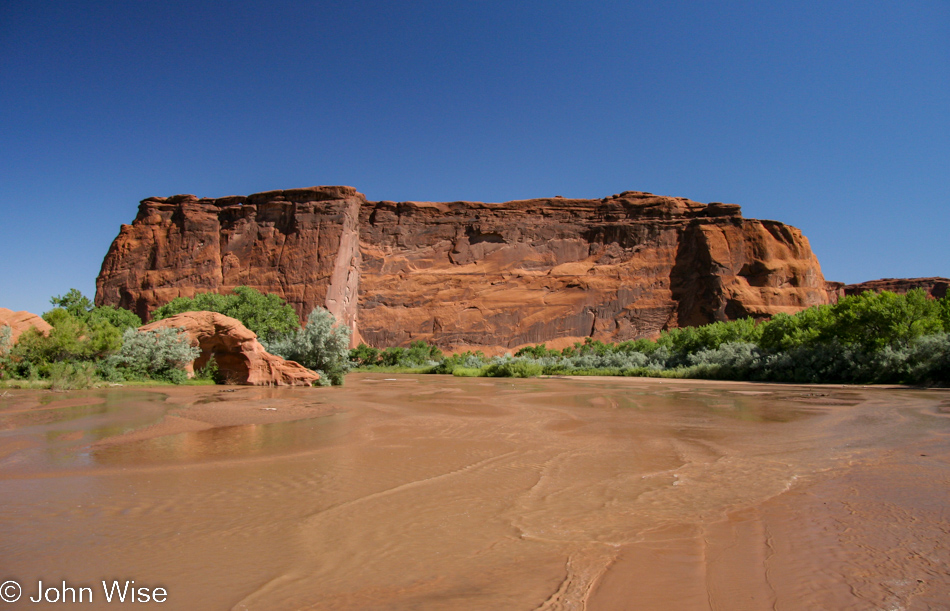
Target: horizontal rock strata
(468, 274)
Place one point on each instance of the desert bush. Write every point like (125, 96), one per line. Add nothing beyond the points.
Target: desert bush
(928, 360)
(684, 341)
(466, 372)
(210, 372)
(6, 343)
(322, 345)
(513, 368)
(729, 361)
(811, 364)
(870, 338)
(159, 354)
(72, 376)
(462, 360)
(418, 354)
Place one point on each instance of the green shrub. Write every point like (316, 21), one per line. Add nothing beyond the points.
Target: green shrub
(519, 368)
(730, 361)
(210, 372)
(6, 343)
(267, 315)
(322, 345)
(536, 352)
(875, 320)
(464, 360)
(870, 338)
(929, 360)
(80, 307)
(119, 318)
(70, 339)
(364, 356)
(71, 376)
(159, 354)
(467, 372)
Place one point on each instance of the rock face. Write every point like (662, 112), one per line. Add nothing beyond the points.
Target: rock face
(21, 321)
(240, 357)
(935, 287)
(469, 274)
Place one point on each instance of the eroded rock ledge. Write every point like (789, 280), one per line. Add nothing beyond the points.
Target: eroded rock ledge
(492, 276)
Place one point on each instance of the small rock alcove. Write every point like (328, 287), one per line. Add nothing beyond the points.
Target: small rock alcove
(241, 359)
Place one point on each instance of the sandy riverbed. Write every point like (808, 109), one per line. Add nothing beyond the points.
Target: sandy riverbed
(433, 492)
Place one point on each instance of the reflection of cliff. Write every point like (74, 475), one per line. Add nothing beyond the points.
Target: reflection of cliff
(469, 274)
(224, 442)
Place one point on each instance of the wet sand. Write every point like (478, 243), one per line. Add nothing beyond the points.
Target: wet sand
(433, 492)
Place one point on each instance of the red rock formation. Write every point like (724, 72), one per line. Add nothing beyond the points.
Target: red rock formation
(238, 354)
(935, 287)
(464, 274)
(300, 244)
(21, 321)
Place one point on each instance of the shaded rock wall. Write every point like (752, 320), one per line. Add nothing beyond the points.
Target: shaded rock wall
(469, 274)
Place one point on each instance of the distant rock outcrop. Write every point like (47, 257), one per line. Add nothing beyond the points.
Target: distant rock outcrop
(469, 274)
(240, 357)
(935, 287)
(21, 321)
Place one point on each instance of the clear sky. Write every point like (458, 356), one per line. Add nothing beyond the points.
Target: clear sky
(833, 117)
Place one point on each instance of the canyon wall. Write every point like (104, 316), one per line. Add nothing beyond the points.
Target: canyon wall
(468, 274)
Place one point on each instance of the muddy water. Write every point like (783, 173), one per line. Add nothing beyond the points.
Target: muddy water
(436, 492)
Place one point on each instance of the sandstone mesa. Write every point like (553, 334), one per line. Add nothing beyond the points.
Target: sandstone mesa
(490, 276)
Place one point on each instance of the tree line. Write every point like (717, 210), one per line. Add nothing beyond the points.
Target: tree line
(869, 338)
(91, 344)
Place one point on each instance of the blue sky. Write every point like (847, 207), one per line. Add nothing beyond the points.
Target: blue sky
(833, 117)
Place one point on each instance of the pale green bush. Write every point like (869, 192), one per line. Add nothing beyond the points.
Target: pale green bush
(71, 376)
(322, 345)
(6, 342)
(158, 354)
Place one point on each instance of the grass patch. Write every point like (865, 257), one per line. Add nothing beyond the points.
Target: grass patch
(392, 369)
(468, 372)
(25, 384)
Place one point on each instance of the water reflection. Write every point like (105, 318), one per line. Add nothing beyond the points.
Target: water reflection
(53, 431)
(228, 442)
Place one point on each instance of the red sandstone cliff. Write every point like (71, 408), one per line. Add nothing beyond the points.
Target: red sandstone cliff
(466, 274)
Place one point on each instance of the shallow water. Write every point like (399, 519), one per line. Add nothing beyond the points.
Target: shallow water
(435, 492)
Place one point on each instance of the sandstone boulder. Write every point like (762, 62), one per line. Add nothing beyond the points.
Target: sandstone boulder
(21, 321)
(240, 357)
